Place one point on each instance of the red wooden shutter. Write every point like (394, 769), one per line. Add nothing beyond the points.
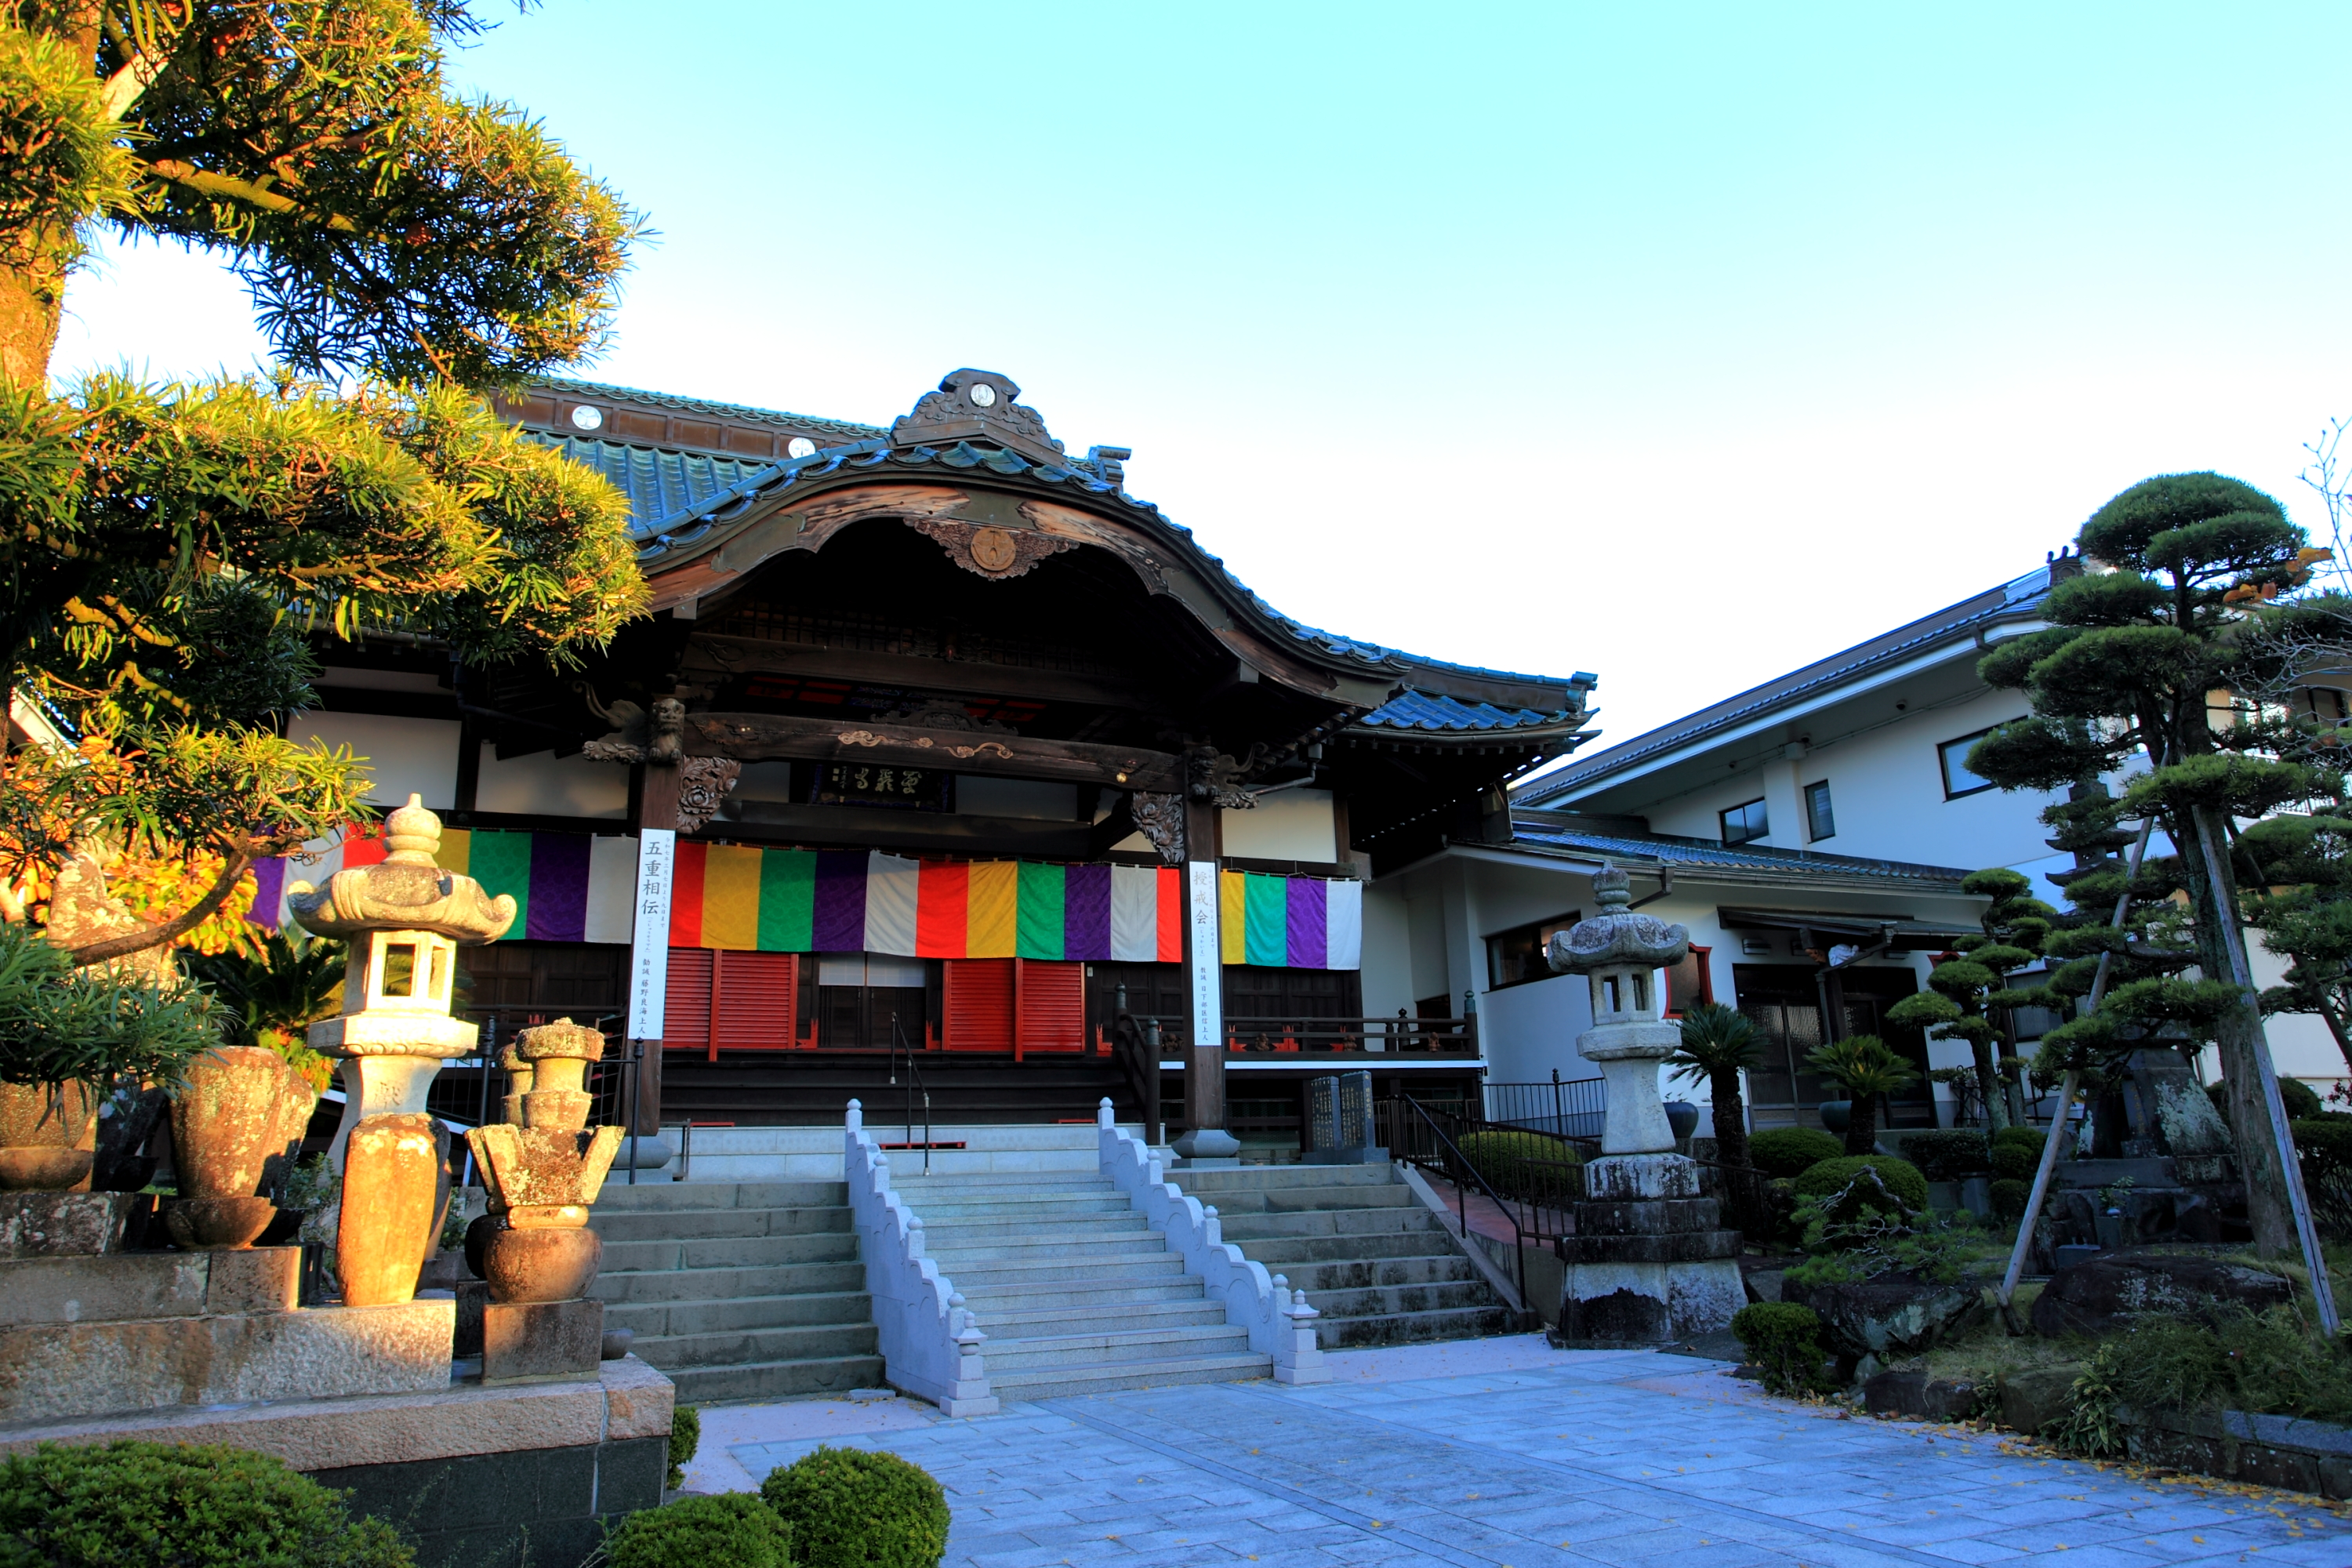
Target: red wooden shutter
(760, 1007)
(686, 1009)
(979, 1003)
(1051, 1005)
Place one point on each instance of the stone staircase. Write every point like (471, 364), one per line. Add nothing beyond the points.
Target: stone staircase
(1077, 1293)
(739, 1290)
(1380, 1267)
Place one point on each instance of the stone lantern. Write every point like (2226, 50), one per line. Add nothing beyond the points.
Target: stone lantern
(405, 918)
(1648, 1262)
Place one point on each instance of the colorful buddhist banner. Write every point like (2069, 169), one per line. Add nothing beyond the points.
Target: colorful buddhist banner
(573, 887)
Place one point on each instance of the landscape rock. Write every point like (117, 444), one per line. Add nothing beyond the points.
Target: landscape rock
(2031, 1399)
(2103, 1294)
(1916, 1394)
(1890, 1317)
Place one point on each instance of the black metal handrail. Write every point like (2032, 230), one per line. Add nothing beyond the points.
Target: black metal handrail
(915, 1086)
(1436, 1150)
(1135, 1043)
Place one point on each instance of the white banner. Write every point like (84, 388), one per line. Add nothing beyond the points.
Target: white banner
(649, 937)
(1204, 954)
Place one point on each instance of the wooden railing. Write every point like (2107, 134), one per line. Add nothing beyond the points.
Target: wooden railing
(1292, 1033)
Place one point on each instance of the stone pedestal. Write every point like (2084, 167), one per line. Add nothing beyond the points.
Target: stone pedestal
(42, 1225)
(1649, 1263)
(524, 1340)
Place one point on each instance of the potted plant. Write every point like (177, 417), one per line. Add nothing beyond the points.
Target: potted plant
(66, 1036)
(238, 1118)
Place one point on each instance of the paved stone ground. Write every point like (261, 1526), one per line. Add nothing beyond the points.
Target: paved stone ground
(1505, 1452)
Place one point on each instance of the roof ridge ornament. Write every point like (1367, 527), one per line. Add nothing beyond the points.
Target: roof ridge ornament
(977, 405)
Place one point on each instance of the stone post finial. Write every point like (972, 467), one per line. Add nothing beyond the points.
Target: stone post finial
(411, 833)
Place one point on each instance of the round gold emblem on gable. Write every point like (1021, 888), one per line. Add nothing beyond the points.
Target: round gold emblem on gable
(992, 549)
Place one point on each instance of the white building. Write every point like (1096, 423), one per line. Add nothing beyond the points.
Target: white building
(1811, 832)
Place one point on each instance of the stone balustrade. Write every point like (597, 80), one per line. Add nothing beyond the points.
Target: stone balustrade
(930, 1341)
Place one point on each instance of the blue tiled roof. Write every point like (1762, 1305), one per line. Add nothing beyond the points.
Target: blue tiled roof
(1411, 709)
(660, 482)
(1558, 834)
(677, 497)
(846, 428)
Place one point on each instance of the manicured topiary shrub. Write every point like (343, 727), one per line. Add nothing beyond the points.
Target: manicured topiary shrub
(2013, 1161)
(685, 1437)
(1791, 1151)
(733, 1531)
(2008, 1200)
(1533, 1166)
(852, 1508)
(1782, 1342)
(1900, 1177)
(1950, 1153)
(179, 1505)
(2021, 1137)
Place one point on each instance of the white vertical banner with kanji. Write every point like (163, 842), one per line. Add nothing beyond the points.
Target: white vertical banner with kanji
(1204, 953)
(649, 935)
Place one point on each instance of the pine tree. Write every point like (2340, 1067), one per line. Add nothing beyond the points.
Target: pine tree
(171, 552)
(1969, 998)
(2125, 674)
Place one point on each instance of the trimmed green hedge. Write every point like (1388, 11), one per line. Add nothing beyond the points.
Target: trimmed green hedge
(2015, 1161)
(685, 1438)
(1782, 1341)
(1950, 1153)
(2021, 1138)
(1900, 1177)
(179, 1505)
(1533, 1166)
(2324, 1143)
(1791, 1151)
(2008, 1200)
(733, 1531)
(852, 1508)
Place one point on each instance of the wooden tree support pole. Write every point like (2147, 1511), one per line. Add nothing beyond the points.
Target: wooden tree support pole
(2306, 1233)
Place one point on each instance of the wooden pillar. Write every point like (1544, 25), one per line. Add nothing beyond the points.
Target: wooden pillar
(1205, 1137)
(655, 786)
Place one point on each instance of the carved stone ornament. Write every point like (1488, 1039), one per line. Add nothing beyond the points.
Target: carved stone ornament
(993, 552)
(1616, 937)
(1160, 819)
(977, 405)
(404, 891)
(703, 783)
(1212, 776)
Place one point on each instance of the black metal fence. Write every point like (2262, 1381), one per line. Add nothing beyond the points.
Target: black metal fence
(1533, 1177)
(1571, 1109)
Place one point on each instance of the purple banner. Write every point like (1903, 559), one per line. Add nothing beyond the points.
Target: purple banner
(556, 909)
(838, 921)
(1307, 923)
(1085, 912)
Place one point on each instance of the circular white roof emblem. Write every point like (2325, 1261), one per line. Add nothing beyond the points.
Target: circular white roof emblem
(983, 395)
(800, 447)
(586, 418)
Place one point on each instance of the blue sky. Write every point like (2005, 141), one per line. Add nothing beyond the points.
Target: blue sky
(1681, 343)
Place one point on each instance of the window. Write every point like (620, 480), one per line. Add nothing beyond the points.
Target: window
(1743, 823)
(1819, 821)
(1517, 956)
(1954, 755)
(2324, 703)
(1688, 983)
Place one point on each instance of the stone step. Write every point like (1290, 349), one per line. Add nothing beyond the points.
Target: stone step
(1200, 1183)
(811, 1310)
(1036, 1208)
(728, 1284)
(985, 1181)
(958, 1248)
(1369, 1273)
(1282, 1253)
(1063, 1318)
(1129, 1266)
(681, 1225)
(814, 1342)
(1157, 1344)
(668, 1195)
(1081, 1295)
(1453, 1295)
(1020, 1227)
(731, 1251)
(1246, 1225)
(773, 1380)
(1063, 1383)
(1406, 1328)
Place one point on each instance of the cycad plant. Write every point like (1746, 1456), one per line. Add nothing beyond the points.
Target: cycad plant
(1719, 1043)
(1968, 996)
(1865, 1067)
